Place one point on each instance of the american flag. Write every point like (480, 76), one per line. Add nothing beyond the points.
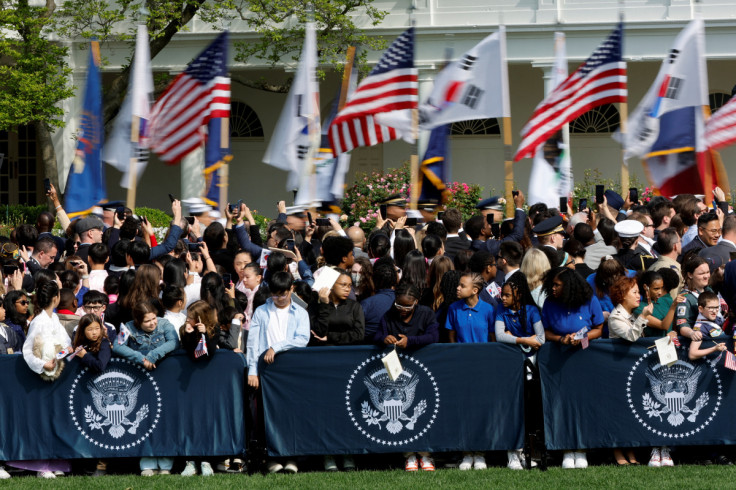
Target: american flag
(198, 94)
(201, 348)
(720, 130)
(600, 80)
(730, 361)
(391, 86)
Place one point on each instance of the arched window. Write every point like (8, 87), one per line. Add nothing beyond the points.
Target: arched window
(244, 122)
(717, 100)
(475, 127)
(603, 119)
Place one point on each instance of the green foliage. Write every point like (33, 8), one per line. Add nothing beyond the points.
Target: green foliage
(33, 70)
(18, 214)
(585, 189)
(368, 189)
(156, 217)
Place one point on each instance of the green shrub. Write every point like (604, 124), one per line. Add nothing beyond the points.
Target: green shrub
(16, 214)
(157, 218)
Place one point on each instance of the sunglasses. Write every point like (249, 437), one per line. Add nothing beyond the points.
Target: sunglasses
(405, 308)
(23, 302)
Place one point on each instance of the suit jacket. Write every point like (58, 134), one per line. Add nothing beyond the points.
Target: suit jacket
(721, 250)
(456, 244)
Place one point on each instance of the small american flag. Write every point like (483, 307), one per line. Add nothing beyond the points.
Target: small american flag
(200, 93)
(391, 86)
(201, 348)
(730, 361)
(584, 341)
(600, 80)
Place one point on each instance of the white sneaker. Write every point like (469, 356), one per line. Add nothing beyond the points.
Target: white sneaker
(330, 464)
(164, 472)
(411, 463)
(274, 467)
(290, 467)
(466, 463)
(206, 469)
(581, 461)
(46, 474)
(666, 458)
(189, 469)
(427, 463)
(514, 461)
(148, 472)
(4, 475)
(568, 460)
(223, 466)
(479, 462)
(655, 460)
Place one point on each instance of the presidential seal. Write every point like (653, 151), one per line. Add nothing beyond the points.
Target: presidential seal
(674, 401)
(392, 413)
(105, 407)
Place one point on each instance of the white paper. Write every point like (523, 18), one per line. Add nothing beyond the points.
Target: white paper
(581, 333)
(326, 279)
(666, 351)
(393, 365)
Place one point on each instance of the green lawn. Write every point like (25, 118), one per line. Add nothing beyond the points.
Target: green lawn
(599, 476)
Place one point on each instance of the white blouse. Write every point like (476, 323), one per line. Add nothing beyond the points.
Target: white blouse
(52, 333)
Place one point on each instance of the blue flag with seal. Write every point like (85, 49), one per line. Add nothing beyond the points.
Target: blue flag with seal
(216, 155)
(618, 394)
(182, 408)
(434, 167)
(340, 400)
(85, 186)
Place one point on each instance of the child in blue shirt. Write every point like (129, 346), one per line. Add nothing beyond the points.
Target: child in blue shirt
(469, 320)
(518, 320)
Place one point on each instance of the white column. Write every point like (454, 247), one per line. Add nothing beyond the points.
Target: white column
(546, 66)
(426, 82)
(192, 178)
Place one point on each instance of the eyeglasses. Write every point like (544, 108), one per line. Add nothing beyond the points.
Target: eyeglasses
(344, 285)
(712, 308)
(405, 308)
(712, 231)
(22, 302)
(93, 308)
(280, 296)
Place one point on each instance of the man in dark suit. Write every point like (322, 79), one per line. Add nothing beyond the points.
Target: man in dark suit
(457, 240)
(727, 245)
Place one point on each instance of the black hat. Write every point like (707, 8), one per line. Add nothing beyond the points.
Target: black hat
(112, 205)
(549, 226)
(394, 200)
(494, 202)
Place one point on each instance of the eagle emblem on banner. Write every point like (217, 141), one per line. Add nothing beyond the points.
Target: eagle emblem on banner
(391, 400)
(114, 395)
(673, 388)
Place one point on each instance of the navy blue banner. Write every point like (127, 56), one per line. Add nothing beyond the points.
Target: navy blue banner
(617, 394)
(181, 408)
(339, 400)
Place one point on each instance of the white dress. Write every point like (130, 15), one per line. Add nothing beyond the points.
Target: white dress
(45, 333)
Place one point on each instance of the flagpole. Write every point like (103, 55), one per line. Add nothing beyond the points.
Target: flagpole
(623, 110)
(133, 171)
(507, 139)
(224, 171)
(414, 159)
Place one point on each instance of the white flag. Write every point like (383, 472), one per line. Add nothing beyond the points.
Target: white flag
(297, 134)
(119, 148)
(474, 87)
(551, 176)
(682, 83)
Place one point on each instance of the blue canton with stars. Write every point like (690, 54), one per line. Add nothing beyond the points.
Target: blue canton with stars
(399, 55)
(609, 51)
(211, 63)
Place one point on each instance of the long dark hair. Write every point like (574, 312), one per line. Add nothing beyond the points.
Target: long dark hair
(522, 296)
(415, 269)
(45, 295)
(80, 339)
(575, 291)
(175, 273)
(403, 244)
(11, 313)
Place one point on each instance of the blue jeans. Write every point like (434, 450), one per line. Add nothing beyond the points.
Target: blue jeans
(156, 463)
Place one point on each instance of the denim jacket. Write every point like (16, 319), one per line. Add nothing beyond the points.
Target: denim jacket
(152, 346)
(297, 333)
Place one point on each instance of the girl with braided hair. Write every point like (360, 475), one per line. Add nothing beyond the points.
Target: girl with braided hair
(518, 320)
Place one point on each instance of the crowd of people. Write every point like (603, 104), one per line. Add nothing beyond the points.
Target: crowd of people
(106, 287)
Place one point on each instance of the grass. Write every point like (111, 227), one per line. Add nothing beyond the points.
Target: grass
(598, 476)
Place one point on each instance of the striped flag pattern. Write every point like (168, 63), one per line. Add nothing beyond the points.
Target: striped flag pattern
(720, 129)
(730, 361)
(201, 92)
(391, 86)
(201, 348)
(600, 80)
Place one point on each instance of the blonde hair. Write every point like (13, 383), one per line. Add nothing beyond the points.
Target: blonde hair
(534, 265)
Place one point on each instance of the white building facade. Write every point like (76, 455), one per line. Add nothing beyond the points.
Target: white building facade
(477, 149)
